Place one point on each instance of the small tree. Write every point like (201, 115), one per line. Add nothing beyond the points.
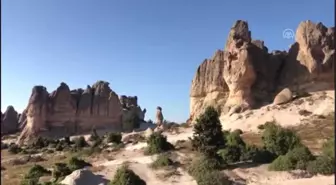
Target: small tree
(279, 140)
(208, 136)
(125, 176)
(157, 143)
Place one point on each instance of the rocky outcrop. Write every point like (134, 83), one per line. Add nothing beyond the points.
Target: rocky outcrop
(9, 121)
(66, 112)
(159, 116)
(130, 104)
(245, 75)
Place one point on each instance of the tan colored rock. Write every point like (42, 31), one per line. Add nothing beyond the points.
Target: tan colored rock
(283, 97)
(245, 75)
(84, 177)
(311, 57)
(9, 121)
(208, 86)
(239, 73)
(66, 112)
(159, 116)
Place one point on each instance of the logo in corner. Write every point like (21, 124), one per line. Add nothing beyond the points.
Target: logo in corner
(288, 34)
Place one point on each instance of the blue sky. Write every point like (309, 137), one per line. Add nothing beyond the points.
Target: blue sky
(148, 48)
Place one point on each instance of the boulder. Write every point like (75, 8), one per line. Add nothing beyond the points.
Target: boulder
(283, 97)
(84, 177)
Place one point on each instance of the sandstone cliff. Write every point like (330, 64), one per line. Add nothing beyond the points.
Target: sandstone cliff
(245, 75)
(9, 121)
(66, 112)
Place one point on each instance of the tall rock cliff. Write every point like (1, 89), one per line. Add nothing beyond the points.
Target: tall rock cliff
(245, 75)
(9, 121)
(66, 112)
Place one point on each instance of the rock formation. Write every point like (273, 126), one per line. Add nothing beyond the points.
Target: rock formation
(130, 104)
(245, 75)
(159, 116)
(65, 111)
(9, 121)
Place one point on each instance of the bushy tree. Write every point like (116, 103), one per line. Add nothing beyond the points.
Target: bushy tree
(80, 142)
(279, 140)
(114, 138)
(125, 176)
(76, 163)
(157, 143)
(60, 170)
(161, 161)
(208, 136)
(297, 158)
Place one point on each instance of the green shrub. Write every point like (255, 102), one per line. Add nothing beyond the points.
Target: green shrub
(279, 140)
(282, 163)
(202, 165)
(212, 178)
(157, 143)
(208, 136)
(60, 170)
(296, 158)
(41, 142)
(328, 148)
(125, 176)
(230, 154)
(59, 147)
(261, 155)
(300, 156)
(80, 142)
(322, 165)
(14, 149)
(162, 160)
(30, 181)
(37, 171)
(234, 139)
(248, 152)
(114, 138)
(75, 164)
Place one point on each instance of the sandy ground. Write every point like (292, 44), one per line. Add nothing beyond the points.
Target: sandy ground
(320, 103)
(258, 175)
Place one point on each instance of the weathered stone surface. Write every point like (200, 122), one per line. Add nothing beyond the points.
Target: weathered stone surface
(311, 57)
(9, 121)
(66, 112)
(159, 116)
(131, 103)
(283, 96)
(245, 75)
(208, 86)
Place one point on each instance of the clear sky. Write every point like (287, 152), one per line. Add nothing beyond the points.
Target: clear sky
(148, 48)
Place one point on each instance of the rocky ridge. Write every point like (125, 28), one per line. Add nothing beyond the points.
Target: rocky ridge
(245, 75)
(66, 112)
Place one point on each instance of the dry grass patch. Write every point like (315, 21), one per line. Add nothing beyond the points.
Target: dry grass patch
(14, 174)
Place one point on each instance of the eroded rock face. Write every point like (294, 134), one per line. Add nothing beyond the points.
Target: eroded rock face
(67, 112)
(9, 121)
(245, 75)
(159, 116)
(130, 104)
